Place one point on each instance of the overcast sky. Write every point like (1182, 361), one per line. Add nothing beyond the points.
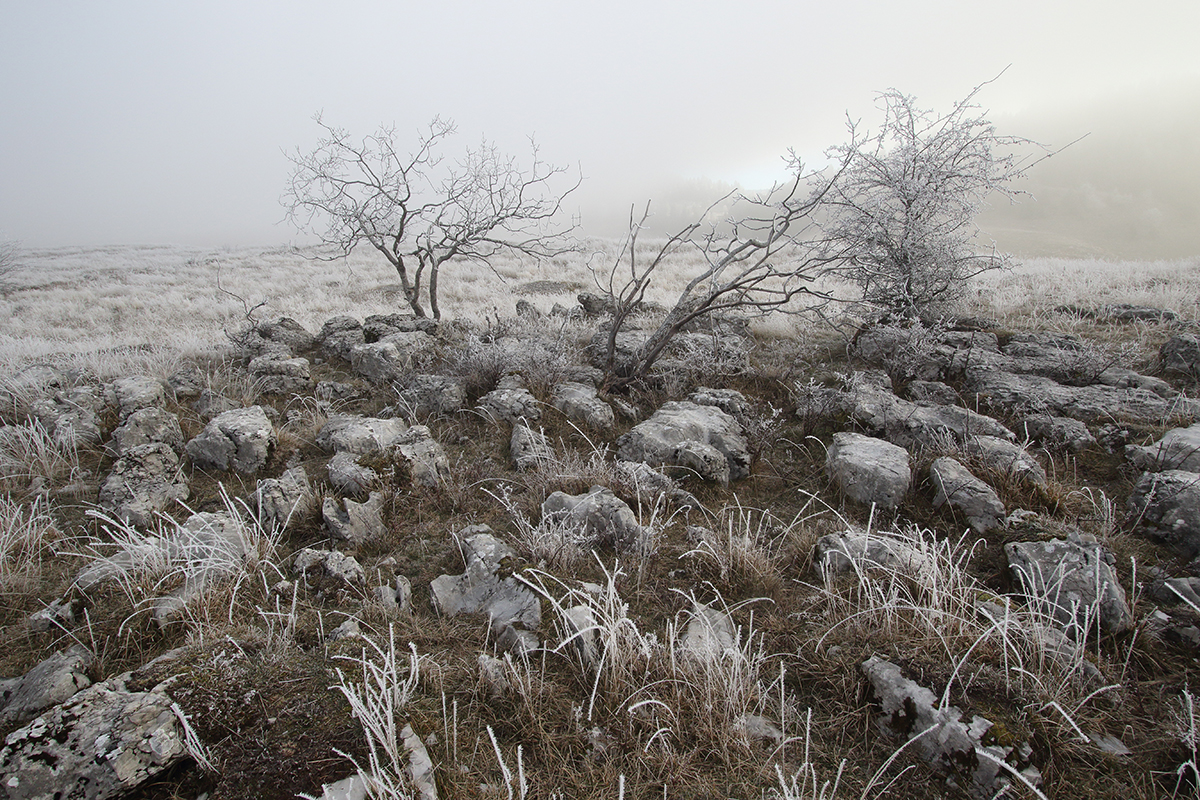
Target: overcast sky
(166, 122)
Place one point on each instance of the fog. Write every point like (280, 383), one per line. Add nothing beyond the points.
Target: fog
(145, 122)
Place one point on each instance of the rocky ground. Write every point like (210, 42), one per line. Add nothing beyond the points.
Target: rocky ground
(932, 561)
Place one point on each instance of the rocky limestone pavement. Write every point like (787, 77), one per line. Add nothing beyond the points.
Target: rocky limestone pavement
(147, 426)
(276, 373)
(52, 682)
(581, 403)
(600, 515)
(378, 327)
(966, 494)
(1166, 506)
(72, 417)
(284, 499)
(145, 480)
(1179, 448)
(1009, 392)
(1006, 457)
(1073, 581)
(357, 523)
(868, 399)
(104, 742)
(868, 470)
(241, 440)
(488, 587)
(689, 439)
(137, 392)
(947, 739)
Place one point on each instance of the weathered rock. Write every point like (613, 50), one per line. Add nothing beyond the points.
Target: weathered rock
(339, 337)
(1166, 506)
(286, 333)
(905, 351)
(360, 435)
(275, 373)
(947, 740)
(710, 635)
(688, 438)
(966, 494)
(1060, 433)
(1006, 457)
(868, 470)
(427, 462)
(651, 484)
(528, 448)
(147, 426)
(512, 405)
(146, 479)
(332, 564)
(859, 551)
(728, 400)
(349, 477)
(1179, 448)
(283, 499)
(357, 523)
(1181, 355)
(595, 305)
(68, 423)
(395, 597)
(580, 403)
(103, 743)
(432, 394)
(487, 586)
(210, 405)
(50, 683)
(1073, 581)
(932, 393)
(242, 440)
(186, 382)
(387, 359)
(136, 393)
(1128, 379)
(1012, 393)
(29, 384)
(600, 515)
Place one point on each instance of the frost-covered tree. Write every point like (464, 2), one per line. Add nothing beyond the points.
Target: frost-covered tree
(420, 209)
(904, 207)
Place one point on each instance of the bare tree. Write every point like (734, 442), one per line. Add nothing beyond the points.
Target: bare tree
(904, 208)
(421, 210)
(761, 258)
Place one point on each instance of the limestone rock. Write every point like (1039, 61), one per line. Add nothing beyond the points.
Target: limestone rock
(1070, 580)
(147, 426)
(331, 564)
(339, 337)
(512, 405)
(241, 440)
(283, 499)
(146, 479)
(53, 681)
(389, 358)
(1166, 506)
(349, 477)
(1181, 355)
(859, 551)
(275, 373)
(728, 400)
(1006, 457)
(427, 395)
(138, 392)
(360, 435)
(488, 586)
(1179, 448)
(688, 438)
(600, 515)
(580, 403)
(868, 470)
(709, 636)
(357, 523)
(966, 494)
(1059, 433)
(210, 404)
(528, 448)
(103, 743)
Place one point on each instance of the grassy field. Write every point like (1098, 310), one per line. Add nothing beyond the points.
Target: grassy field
(638, 717)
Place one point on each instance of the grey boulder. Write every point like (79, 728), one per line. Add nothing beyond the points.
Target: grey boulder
(143, 481)
(689, 439)
(241, 440)
(147, 426)
(1179, 448)
(53, 681)
(357, 523)
(966, 494)
(581, 403)
(1166, 506)
(1073, 581)
(599, 515)
(868, 470)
